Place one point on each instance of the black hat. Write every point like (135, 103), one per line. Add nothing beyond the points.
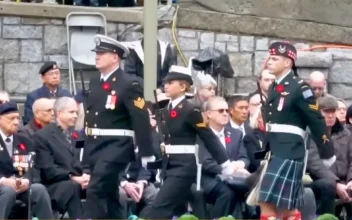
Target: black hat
(47, 66)
(79, 97)
(284, 49)
(179, 73)
(8, 107)
(107, 44)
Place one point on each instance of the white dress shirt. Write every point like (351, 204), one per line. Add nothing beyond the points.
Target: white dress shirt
(221, 136)
(106, 77)
(9, 145)
(176, 101)
(278, 80)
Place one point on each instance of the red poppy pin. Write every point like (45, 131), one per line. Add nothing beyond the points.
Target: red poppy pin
(75, 135)
(106, 86)
(173, 114)
(228, 140)
(22, 147)
(280, 88)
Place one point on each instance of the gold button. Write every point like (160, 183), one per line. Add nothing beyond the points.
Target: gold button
(96, 113)
(86, 123)
(271, 104)
(87, 111)
(95, 125)
(269, 113)
(95, 137)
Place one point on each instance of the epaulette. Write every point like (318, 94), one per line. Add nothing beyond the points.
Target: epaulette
(299, 80)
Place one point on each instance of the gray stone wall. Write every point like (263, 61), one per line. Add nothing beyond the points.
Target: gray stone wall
(25, 43)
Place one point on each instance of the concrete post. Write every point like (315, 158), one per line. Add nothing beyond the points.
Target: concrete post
(150, 47)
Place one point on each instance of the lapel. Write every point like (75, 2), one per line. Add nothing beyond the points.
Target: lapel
(4, 149)
(60, 137)
(273, 94)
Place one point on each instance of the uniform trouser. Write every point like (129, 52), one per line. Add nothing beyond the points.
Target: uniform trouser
(41, 205)
(101, 202)
(174, 192)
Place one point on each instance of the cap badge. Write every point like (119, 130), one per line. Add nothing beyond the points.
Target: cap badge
(282, 49)
(97, 41)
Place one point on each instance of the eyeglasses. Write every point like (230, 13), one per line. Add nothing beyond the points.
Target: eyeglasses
(53, 73)
(221, 111)
(46, 110)
(317, 88)
(18, 118)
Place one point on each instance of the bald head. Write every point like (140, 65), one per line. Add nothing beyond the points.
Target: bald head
(318, 83)
(43, 110)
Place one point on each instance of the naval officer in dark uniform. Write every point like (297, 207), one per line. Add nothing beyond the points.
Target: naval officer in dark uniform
(115, 117)
(289, 109)
(183, 122)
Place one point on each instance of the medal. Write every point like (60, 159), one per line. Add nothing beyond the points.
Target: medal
(281, 104)
(113, 102)
(108, 101)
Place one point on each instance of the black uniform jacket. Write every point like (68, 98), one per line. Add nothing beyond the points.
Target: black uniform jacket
(130, 113)
(57, 158)
(299, 108)
(184, 122)
(21, 148)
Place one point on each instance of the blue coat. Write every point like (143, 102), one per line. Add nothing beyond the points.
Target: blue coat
(42, 92)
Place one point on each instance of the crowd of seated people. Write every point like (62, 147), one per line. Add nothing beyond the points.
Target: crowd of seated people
(53, 127)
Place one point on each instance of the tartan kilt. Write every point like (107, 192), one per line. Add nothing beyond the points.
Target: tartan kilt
(282, 184)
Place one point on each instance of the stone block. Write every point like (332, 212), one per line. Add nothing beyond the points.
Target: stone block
(132, 36)
(246, 85)
(35, 21)
(55, 40)
(9, 50)
(165, 34)
(301, 46)
(230, 85)
(314, 59)
(232, 47)
(342, 91)
(188, 54)
(340, 72)
(188, 43)
(338, 50)
(22, 32)
(111, 28)
(341, 55)
(16, 77)
(259, 61)
(220, 46)
(207, 40)
(241, 63)
(226, 38)
(246, 43)
(262, 44)
(187, 33)
(61, 60)
(1, 77)
(31, 51)
(11, 20)
(305, 72)
(57, 21)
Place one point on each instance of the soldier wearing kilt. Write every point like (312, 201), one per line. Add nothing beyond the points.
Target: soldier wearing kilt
(184, 122)
(289, 109)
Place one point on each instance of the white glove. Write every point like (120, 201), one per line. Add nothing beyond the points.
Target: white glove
(146, 160)
(329, 162)
(227, 168)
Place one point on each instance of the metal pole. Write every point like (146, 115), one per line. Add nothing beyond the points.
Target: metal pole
(150, 47)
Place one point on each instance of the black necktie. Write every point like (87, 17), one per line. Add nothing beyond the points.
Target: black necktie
(9, 146)
(102, 81)
(170, 107)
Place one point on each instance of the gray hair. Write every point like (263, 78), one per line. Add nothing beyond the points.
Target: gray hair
(202, 80)
(61, 103)
(253, 120)
(208, 104)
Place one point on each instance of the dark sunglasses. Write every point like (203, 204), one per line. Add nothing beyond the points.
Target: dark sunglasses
(221, 111)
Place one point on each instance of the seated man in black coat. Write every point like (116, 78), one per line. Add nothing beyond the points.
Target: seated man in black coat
(58, 159)
(216, 191)
(137, 184)
(14, 165)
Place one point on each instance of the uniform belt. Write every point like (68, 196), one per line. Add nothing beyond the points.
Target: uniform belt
(108, 132)
(181, 149)
(282, 128)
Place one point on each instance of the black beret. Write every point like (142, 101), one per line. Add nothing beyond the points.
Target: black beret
(283, 49)
(8, 107)
(179, 73)
(47, 66)
(79, 97)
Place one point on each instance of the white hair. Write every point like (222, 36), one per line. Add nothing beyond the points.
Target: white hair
(202, 80)
(253, 120)
(61, 103)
